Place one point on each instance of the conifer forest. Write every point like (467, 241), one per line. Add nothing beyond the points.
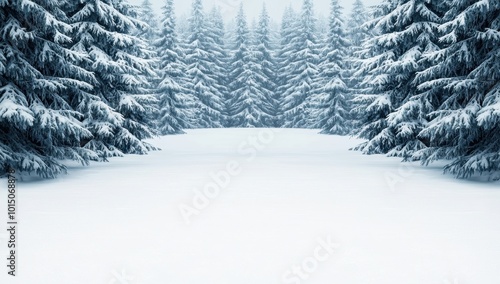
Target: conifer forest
(91, 79)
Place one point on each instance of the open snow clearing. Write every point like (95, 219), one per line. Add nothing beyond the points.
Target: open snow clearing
(256, 206)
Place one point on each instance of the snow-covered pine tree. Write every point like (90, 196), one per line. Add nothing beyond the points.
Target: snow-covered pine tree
(288, 31)
(202, 80)
(148, 32)
(219, 57)
(38, 127)
(394, 111)
(301, 71)
(465, 84)
(268, 68)
(369, 108)
(357, 33)
(248, 106)
(175, 102)
(289, 27)
(146, 14)
(332, 102)
(240, 103)
(117, 110)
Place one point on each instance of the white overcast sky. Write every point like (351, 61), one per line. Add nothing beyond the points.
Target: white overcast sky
(253, 7)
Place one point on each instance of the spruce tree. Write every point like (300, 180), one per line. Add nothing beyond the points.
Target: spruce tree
(301, 71)
(117, 110)
(38, 126)
(175, 102)
(219, 55)
(288, 31)
(463, 82)
(393, 109)
(267, 80)
(357, 32)
(248, 106)
(148, 16)
(147, 31)
(333, 99)
(370, 109)
(202, 79)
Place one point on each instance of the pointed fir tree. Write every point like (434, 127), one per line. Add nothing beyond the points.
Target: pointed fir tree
(333, 100)
(267, 70)
(219, 55)
(175, 102)
(289, 27)
(202, 80)
(393, 109)
(464, 83)
(38, 75)
(117, 110)
(248, 106)
(369, 110)
(357, 32)
(147, 31)
(301, 71)
(146, 14)
(288, 31)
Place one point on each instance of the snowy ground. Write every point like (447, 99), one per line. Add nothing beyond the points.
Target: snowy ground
(304, 210)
